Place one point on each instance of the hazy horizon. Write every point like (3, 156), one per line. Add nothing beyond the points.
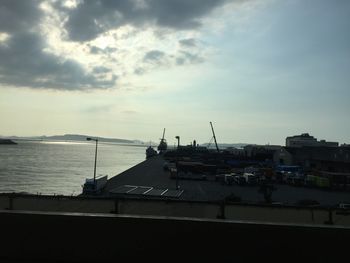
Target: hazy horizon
(211, 141)
(259, 70)
(93, 136)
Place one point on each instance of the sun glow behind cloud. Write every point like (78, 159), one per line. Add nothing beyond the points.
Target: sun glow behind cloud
(4, 37)
(122, 51)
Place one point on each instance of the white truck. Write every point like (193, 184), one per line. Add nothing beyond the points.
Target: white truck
(92, 186)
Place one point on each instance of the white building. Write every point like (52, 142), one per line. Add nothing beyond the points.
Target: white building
(307, 140)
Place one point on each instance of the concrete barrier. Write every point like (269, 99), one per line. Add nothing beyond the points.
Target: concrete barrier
(238, 211)
(73, 237)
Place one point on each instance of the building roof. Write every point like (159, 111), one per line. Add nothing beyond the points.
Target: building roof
(322, 153)
(303, 135)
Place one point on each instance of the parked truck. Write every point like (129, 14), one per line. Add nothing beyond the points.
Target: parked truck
(94, 186)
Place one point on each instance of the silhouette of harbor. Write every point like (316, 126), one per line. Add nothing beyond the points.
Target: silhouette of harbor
(209, 201)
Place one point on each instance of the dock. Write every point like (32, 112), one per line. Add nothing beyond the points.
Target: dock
(151, 174)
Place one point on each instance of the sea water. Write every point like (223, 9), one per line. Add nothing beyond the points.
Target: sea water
(60, 168)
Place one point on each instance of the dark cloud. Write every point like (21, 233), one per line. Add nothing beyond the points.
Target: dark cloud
(139, 71)
(189, 42)
(91, 18)
(24, 61)
(19, 15)
(154, 56)
(97, 50)
(151, 60)
(101, 70)
(181, 14)
(185, 57)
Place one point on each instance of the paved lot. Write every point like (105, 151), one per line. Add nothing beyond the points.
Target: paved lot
(150, 173)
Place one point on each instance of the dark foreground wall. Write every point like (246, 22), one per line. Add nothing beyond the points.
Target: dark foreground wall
(84, 237)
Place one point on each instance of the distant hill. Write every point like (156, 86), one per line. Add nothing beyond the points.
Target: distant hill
(80, 137)
(76, 137)
(7, 141)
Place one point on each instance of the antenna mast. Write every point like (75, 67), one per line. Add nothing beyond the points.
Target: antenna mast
(216, 144)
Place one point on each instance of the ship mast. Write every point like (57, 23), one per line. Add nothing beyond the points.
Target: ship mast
(216, 144)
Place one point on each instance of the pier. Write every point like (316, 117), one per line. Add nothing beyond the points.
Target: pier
(151, 173)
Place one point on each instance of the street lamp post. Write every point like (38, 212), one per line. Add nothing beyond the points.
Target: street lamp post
(96, 140)
(178, 141)
(177, 172)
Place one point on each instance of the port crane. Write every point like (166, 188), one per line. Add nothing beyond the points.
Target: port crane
(162, 145)
(216, 144)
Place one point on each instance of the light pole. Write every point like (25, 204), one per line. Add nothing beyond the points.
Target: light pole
(178, 141)
(177, 172)
(96, 140)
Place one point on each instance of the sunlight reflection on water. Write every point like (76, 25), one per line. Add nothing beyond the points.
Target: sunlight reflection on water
(61, 167)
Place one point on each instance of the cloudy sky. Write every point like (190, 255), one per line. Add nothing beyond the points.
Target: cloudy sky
(259, 70)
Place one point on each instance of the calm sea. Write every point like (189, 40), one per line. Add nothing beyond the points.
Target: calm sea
(61, 167)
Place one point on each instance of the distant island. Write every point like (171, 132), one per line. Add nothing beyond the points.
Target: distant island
(82, 138)
(78, 137)
(7, 141)
(74, 137)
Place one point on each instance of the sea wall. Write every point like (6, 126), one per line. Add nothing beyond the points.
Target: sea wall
(76, 237)
(238, 211)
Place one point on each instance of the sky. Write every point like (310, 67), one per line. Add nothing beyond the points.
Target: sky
(258, 70)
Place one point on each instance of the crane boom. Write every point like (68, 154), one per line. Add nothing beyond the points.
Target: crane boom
(162, 147)
(216, 144)
(163, 134)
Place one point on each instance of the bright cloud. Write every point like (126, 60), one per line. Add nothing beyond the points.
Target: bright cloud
(82, 45)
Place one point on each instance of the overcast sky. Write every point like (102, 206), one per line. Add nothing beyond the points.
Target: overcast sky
(259, 70)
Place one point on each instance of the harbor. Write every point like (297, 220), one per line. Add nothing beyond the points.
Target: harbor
(174, 130)
(307, 173)
(302, 178)
(197, 182)
(203, 203)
